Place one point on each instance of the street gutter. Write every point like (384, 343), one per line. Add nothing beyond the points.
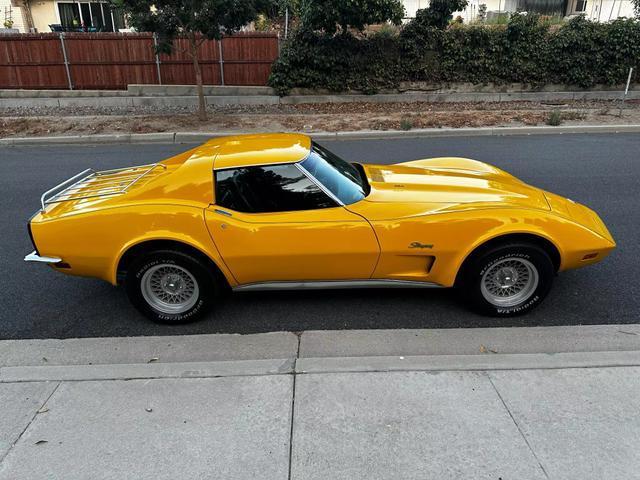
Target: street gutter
(329, 351)
(200, 137)
(288, 366)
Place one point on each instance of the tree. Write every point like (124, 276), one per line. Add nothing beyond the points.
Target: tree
(439, 13)
(197, 20)
(329, 15)
(636, 7)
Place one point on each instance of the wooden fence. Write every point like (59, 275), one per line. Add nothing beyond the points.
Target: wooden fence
(104, 61)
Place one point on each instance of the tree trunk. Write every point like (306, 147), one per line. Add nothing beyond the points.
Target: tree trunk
(202, 107)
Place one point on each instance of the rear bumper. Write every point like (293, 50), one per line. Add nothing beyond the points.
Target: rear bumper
(34, 257)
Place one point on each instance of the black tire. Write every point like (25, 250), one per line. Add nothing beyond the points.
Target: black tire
(527, 256)
(207, 286)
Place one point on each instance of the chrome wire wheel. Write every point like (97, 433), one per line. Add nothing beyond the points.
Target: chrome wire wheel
(169, 288)
(509, 282)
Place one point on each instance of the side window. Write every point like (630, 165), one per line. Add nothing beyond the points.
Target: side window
(274, 188)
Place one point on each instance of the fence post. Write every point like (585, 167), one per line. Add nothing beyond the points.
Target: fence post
(155, 51)
(286, 23)
(221, 61)
(66, 61)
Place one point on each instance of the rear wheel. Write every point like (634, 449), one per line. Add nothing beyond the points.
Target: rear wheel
(507, 280)
(171, 286)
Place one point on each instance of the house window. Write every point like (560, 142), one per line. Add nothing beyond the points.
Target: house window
(581, 6)
(89, 17)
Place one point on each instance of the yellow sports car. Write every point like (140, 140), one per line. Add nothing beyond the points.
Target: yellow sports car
(278, 211)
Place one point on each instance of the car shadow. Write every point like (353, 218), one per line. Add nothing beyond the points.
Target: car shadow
(79, 307)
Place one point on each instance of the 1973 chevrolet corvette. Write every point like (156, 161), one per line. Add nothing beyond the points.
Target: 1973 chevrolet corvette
(278, 211)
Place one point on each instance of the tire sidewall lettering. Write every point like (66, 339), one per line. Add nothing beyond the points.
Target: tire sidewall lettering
(150, 264)
(519, 308)
(493, 258)
(182, 316)
(502, 257)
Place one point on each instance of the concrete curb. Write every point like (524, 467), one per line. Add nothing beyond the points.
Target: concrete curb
(158, 349)
(464, 341)
(524, 361)
(146, 371)
(185, 96)
(204, 348)
(425, 363)
(199, 137)
(322, 351)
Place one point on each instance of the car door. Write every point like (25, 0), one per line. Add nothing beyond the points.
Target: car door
(273, 223)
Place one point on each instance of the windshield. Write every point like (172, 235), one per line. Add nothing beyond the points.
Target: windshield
(339, 177)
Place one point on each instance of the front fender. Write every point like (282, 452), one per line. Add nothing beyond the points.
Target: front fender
(453, 236)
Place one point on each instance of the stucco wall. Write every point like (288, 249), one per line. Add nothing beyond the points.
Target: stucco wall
(16, 15)
(604, 10)
(44, 14)
(600, 10)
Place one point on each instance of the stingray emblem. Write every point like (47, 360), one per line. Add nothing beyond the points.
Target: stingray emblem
(420, 245)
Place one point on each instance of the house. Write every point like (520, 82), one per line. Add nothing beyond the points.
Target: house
(598, 10)
(55, 15)
(12, 13)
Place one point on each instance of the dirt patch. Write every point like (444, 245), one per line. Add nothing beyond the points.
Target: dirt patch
(326, 117)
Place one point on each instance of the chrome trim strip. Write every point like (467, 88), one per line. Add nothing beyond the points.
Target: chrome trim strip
(319, 184)
(329, 284)
(249, 165)
(34, 257)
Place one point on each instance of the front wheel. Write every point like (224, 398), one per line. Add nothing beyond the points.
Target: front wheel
(507, 280)
(170, 286)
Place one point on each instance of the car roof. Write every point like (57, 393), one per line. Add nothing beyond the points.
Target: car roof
(259, 149)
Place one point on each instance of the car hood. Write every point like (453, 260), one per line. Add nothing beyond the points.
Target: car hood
(450, 184)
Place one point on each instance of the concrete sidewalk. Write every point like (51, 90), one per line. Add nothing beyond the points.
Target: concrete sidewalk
(325, 405)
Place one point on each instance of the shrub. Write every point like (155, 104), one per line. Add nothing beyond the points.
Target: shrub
(328, 15)
(406, 124)
(439, 13)
(526, 50)
(555, 118)
(337, 63)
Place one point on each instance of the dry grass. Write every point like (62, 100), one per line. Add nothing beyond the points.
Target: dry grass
(321, 117)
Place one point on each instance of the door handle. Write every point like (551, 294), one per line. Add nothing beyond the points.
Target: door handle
(222, 212)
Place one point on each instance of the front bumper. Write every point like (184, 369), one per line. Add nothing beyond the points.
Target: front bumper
(580, 214)
(34, 257)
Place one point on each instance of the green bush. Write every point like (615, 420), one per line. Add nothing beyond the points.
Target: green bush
(555, 118)
(579, 52)
(337, 63)
(406, 124)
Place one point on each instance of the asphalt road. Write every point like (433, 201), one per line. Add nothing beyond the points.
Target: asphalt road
(600, 170)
